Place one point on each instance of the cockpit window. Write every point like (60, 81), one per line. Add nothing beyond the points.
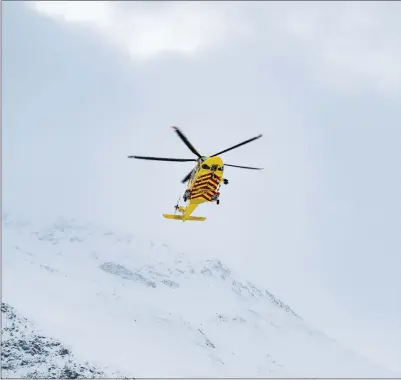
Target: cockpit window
(214, 167)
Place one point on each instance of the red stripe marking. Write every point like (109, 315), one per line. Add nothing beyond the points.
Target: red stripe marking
(201, 183)
(206, 183)
(205, 175)
(201, 188)
(202, 191)
(204, 186)
(214, 180)
(202, 179)
(197, 196)
(201, 196)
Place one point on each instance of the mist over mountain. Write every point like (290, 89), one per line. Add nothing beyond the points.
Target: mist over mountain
(80, 300)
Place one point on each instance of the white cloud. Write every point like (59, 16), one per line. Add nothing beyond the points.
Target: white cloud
(349, 47)
(96, 13)
(147, 29)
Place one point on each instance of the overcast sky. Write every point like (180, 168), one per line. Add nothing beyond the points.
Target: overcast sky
(87, 84)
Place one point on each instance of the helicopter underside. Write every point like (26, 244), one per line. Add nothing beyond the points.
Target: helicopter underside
(204, 189)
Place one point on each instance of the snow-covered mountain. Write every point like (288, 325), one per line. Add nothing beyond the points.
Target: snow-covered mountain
(82, 301)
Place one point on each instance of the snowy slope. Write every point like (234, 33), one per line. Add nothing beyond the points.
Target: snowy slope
(28, 353)
(130, 307)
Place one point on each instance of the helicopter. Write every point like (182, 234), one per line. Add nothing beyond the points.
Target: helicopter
(203, 181)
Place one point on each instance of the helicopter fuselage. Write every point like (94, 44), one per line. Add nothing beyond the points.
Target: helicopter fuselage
(204, 184)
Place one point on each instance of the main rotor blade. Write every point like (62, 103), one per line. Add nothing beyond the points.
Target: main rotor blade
(243, 167)
(187, 143)
(187, 177)
(238, 145)
(163, 159)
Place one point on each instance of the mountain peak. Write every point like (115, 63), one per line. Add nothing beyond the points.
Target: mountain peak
(123, 303)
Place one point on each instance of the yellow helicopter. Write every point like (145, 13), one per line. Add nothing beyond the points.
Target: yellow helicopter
(204, 180)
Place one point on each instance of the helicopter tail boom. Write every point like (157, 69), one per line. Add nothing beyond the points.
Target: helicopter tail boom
(186, 213)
